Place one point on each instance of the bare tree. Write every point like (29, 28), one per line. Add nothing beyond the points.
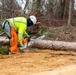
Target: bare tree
(71, 11)
(26, 5)
(36, 5)
(10, 8)
(62, 8)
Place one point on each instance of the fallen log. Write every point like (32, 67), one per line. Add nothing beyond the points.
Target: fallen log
(54, 45)
(4, 40)
(47, 44)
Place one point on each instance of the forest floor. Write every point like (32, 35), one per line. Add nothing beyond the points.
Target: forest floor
(42, 59)
(35, 62)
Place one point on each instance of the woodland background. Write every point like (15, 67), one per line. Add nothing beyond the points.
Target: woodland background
(57, 17)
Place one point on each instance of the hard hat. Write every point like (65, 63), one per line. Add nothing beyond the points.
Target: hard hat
(33, 19)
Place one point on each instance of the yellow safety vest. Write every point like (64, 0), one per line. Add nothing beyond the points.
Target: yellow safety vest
(20, 25)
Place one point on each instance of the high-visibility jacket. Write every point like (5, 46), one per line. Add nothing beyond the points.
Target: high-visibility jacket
(20, 25)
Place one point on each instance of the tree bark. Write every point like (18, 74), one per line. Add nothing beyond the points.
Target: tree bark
(47, 44)
(4, 41)
(71, 11)
(55, 45)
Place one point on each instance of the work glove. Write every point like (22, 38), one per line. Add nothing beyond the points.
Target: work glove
(23, 47)
(29, 37)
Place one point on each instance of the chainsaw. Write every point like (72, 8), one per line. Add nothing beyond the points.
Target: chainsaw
(27, 44)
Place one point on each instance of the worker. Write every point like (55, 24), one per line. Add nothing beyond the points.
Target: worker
(15, 29)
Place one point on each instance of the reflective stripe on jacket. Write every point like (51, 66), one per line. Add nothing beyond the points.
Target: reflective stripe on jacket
(20, 25)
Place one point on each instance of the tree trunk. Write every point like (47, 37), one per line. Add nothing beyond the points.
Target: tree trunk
(47, 44)
(71, 11)
(36, 5)
(55, 45)
(24, 11)
(62, 8)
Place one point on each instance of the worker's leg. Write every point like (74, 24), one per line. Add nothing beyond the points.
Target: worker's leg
(13, 41)
(7, 30)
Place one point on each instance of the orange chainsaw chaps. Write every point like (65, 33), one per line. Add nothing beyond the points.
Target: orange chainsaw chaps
(13, 41)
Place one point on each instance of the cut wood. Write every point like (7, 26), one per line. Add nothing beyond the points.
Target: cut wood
(47, 44)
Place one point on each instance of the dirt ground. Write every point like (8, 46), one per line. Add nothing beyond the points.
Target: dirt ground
(41, 60)
(34, 62)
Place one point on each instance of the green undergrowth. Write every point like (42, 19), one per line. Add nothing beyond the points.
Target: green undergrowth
(40, 32)
(4, 50)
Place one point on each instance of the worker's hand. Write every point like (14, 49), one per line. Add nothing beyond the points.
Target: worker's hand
(23, 47)
(29, 37)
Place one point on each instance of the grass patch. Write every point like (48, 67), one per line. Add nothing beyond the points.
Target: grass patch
(4, 50)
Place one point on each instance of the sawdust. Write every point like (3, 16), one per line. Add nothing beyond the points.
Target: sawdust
(33, 62)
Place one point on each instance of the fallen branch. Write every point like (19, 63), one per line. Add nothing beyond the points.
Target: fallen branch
(2, 33)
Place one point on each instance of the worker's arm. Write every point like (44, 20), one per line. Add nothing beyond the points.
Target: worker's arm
(20, 34)
(25, 32)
